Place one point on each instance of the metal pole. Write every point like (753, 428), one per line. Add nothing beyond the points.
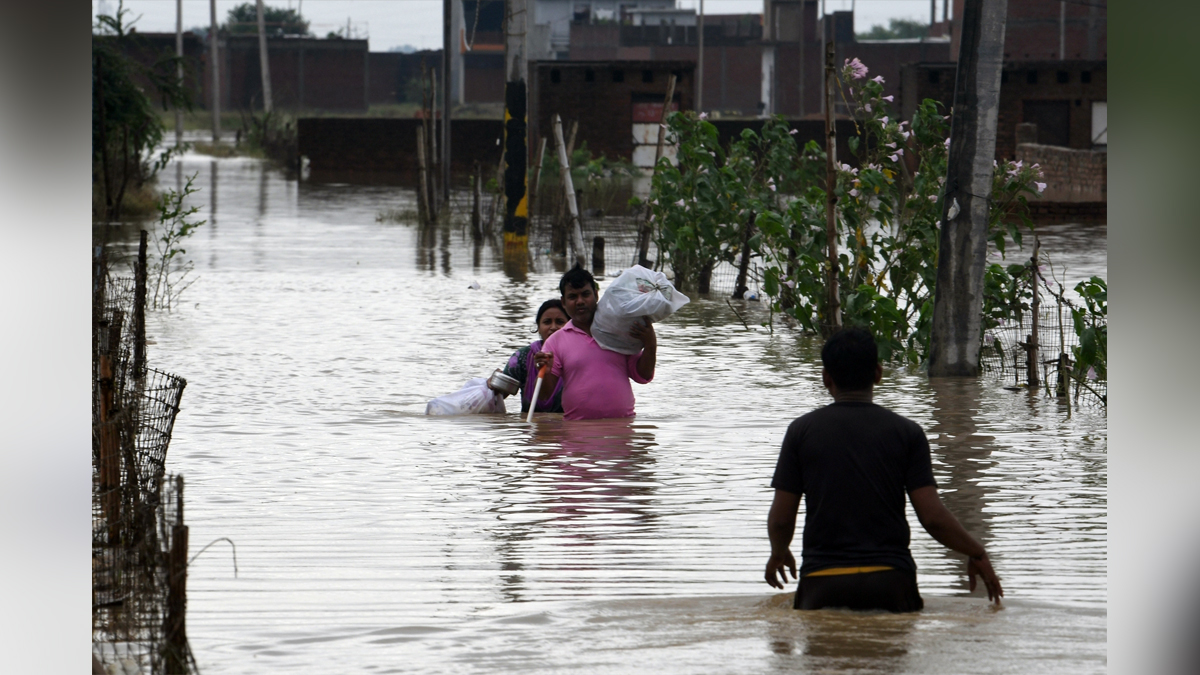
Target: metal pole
(447, 64)
(1062, 30)
(516, 138)
(957, 310)
(700, 62)
(263, 61)
(214, 63)
(179, 69)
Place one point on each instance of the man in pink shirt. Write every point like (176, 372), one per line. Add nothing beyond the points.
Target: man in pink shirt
(595, 380)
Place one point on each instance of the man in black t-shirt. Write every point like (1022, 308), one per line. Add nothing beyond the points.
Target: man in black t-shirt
(853, 462)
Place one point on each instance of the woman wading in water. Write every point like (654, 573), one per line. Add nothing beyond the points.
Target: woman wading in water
(550, 317)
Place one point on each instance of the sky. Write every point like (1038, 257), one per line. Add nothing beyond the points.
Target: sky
(395, 23)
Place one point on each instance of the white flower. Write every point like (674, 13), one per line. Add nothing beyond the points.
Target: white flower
(883, 120)
(679, 203)
(794, 132)
(877, 78)
(933, 198)
(891, 145)
(889, 99)
(703, 115)
(894, 158)
(988, 339)
(854, 192)
(947, 144)
(900, 152)
(790, 283)
(1091, 373)
(1041, 187)
(905, 135)
(867, 107)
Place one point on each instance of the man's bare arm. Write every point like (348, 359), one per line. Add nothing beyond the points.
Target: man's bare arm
(781, 527)
(945, 528)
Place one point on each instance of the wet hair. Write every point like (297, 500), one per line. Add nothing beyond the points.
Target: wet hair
(577, 277)
(850, 357)
(553, 303)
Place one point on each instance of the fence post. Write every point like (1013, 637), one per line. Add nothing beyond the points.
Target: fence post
(598, 255)
(476, 203)
(1031, 365)
(537, 174)
(175, 649)
(558, 231)
(110, 456)
(739, 287)
(139, 310)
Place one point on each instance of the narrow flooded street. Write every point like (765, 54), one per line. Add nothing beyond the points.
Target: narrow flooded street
(372, 538)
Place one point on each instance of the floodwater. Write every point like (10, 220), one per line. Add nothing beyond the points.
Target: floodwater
(373, 539)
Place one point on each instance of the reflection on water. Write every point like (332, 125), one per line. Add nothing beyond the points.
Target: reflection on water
(372, 538)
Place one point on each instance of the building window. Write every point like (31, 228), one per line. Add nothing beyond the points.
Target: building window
(1086, 77)
(589, 75)
(647, 76)
(935, 77)
(1003, 76)
(1031, 77)
(618, 76)
(1063, 77)
(555, 76)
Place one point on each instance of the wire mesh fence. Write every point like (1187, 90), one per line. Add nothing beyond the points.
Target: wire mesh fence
(139, 541)
(1008, 355)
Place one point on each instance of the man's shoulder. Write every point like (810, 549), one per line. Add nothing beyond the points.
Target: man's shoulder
(874, 412)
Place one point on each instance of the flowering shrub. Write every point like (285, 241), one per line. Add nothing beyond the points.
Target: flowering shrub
(888, 214)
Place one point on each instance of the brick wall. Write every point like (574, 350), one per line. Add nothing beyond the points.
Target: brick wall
(1031, 32)
(1070, 175)
(310, 74)
(1027, 91)
(389, 145)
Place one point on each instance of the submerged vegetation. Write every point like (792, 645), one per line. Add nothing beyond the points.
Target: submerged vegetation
(766, 194)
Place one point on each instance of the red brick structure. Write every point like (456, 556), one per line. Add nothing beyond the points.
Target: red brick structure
(386, 147)
(601, 96)
(1070, 175)
(306, 73)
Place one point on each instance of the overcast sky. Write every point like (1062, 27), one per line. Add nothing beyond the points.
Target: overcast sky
(394, 23)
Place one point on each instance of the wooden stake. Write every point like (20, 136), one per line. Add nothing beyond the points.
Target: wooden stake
(175, 647)
(139, 309)
(569, 191)
(739, 288)
(477, 202)
(598, 255)
(833, 305)
(423, 194)
(644, 231)
(537, 172)
(558, 232)
(1034, 308)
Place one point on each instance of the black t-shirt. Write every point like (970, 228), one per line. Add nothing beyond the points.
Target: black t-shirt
(854, 463)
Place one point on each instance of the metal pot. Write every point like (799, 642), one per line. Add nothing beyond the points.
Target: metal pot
(503, 383)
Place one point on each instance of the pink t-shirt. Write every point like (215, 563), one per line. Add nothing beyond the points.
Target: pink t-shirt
(595, 381)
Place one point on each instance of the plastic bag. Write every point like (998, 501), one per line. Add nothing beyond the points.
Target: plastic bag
(475, 397)
(637, 293)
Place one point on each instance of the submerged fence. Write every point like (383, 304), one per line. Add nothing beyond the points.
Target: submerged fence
(139, 540)
(1009, 356)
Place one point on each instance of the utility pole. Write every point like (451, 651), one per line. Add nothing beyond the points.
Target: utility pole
(1062, 30)
(958, 298)
(833, 303)
(214, 63)
(447, 80)
(263, 62)
(932, 16)
(516, 150)
(802, 5)
(700, 62)
(179, 69)
(821, 27)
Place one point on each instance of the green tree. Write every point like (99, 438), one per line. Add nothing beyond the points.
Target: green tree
(279, 21)
(125, 127)
(897, 29)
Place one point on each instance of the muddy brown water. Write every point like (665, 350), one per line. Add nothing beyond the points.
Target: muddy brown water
(374, 539)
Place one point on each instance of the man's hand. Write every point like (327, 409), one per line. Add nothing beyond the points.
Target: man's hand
(543, 358)
(983, 567)
(777, 566)
(644, 331)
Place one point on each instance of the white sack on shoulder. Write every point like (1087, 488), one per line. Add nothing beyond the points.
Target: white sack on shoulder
(475, 397)
(637, 293)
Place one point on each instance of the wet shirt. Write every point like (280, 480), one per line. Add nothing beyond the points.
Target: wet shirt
(854, 463)
(595, 381)
(522, 368)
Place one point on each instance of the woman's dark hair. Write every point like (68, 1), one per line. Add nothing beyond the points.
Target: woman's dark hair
(850, 356)
(553, 303)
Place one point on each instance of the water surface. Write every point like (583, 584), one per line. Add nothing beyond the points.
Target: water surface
(374, 539)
